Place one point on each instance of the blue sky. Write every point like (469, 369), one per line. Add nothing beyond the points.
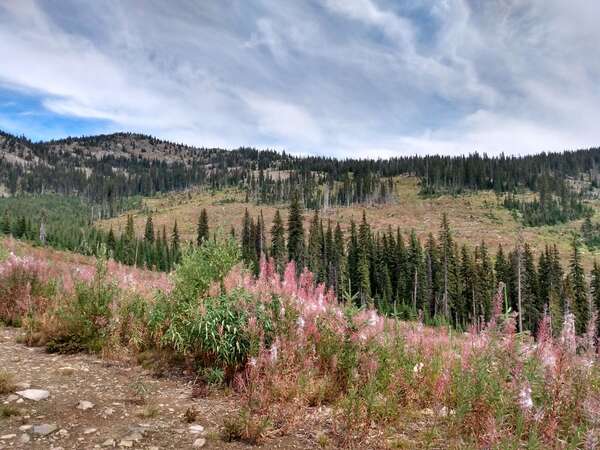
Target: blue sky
(370, 78)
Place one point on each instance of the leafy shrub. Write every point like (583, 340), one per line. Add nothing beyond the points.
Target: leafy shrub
(24, 290)
(83, 320)
(218, 331)
(245, 427)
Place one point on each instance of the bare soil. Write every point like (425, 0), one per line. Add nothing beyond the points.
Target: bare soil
(129, 402)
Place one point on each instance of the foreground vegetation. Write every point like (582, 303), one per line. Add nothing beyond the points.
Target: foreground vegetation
(289, 349)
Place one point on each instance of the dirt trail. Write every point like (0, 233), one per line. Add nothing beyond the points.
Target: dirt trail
(119, 417)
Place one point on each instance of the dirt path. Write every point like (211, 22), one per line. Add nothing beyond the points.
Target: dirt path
(130, 407)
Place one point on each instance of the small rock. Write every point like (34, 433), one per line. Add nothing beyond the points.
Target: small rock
(108, 443)
(44, 429)
(6, 437)
(25, 427)
(66, 370)
(135, 436)
(34, 394)
(84, 405)
(90, 430)
(22, 385)
(125, 443)
(196, 429)
(24, 439)
(12, 398)
(63, 432)
(199, 443)
(20, 400)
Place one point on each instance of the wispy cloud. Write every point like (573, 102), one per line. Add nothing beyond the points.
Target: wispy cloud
(341, 77)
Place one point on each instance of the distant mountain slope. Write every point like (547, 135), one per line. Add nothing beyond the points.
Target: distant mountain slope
(106, 167)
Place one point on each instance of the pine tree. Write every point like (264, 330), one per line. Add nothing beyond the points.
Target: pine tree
(432, 267)
(447, 259)
(296, 233)
(203, 230)
(595, 291)
(129, 242)
(6, 224)
(260, 237)
(248, 241)
(175, 244)
(580, 304)
(313, 261)
(149, 231)
(485, 282)
(111, 242)
(365, 254)
(415, 272)
(278, 252)
(338, 259)
(353, 260)
(167, 250)
(532, 307)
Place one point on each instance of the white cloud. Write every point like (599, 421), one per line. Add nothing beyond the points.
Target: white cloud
(343, 77)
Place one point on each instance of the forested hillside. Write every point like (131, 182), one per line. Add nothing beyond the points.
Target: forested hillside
(57, 191)
(106, 168)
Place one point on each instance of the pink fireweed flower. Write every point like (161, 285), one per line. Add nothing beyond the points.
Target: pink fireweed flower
(568, 337)
(525, 400)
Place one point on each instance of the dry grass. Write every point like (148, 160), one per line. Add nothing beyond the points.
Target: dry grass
(473, 217)
(6, 382)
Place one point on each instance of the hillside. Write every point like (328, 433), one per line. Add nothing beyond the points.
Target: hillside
(474, 217)
(431, 236)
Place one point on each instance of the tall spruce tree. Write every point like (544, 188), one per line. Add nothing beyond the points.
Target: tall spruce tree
(595, 291)
(175, 244)
(296, 233)
(579, 301)
(313, 260)
(203, 230)
(278, 251)
(149, 230)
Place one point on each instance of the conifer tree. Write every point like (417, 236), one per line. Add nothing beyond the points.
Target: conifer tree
(296, 233)
(111, 242)
(353, 260)
(338, 259)
(364, 259)
(175, 244)
(278, 252)
(248, 244)
(532, 307)
(203, 230)
(149, 230)
(313, 261)
(432, 267)
(446, 255)
(595, 291)
(260, 237)
(6, 225)
(129, 242)
(580, 305)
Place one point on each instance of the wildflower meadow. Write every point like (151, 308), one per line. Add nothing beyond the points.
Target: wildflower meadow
(293, 354)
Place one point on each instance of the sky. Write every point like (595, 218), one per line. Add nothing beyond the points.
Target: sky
(345, 78)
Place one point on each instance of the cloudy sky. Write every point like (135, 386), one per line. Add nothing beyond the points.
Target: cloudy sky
(337, 77)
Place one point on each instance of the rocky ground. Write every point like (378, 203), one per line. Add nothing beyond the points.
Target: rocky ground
(94, 403)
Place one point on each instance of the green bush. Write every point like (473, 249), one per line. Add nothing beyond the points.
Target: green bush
(213, 330)
(84, 320)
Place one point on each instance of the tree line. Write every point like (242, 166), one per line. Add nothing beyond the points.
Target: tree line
(107, 168)
(400, 274)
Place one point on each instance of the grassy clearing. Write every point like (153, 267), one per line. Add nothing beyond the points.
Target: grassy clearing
(473, 217)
